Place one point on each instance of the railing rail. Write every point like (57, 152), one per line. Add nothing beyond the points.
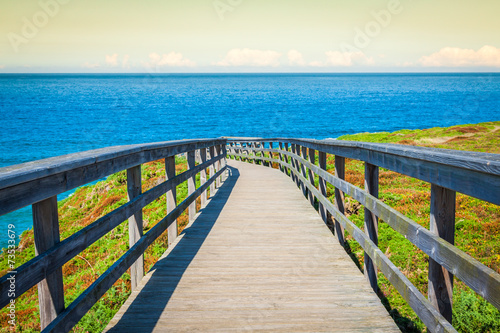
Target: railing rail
(38, 183)
(474, 174)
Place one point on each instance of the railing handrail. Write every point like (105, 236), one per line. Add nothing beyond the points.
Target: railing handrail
(470, 173)
(66, 172)
(478, 161)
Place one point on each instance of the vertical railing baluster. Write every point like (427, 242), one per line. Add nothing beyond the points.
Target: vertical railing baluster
(303, 154)
(203, 176)
(171, 198)
(280, 147)
(294, 164)
(46, 235)
(135, 227)
(322, 186)
(371, 223)
(191, 161)
(224, 161)
(266, 155)
(254, 153)
(312, 159)
(286, 160)
(212, 170)
(339, 196)
(218, 149)
(442, 223)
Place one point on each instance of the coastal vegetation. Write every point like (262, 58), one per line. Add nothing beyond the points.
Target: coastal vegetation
(477, 224)
(477, 233)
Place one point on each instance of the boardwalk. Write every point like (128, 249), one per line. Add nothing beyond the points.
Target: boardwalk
(257, 258)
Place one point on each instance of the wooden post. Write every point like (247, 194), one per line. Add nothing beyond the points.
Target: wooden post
(270, 154)
(280, 147)
(171, 198)
(224, 162)
(296, 151)
(312, 159)
(339, 196)
(286, 160)
(303, 153)
(212, 170)
(135, 228)
(322, 186)
(191, 161)
(442, 223)
(203, 176)
(371, 223)
(46, 234)
(294, 163)
(219, 165)
(252, 146)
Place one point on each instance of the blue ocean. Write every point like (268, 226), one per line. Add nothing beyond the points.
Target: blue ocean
(46, 115)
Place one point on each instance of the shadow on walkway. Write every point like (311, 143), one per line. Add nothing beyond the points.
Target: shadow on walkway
(167, 272)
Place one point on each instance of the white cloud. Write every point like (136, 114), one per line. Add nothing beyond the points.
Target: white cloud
(343, 59)
(173, 59)
(295, 58)
(112, 60)
(125, 63)
(249, 57)
(2, 66)
(457, 57)
(405, 64)
(90, 65)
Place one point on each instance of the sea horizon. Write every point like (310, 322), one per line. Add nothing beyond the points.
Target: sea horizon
(47, 115)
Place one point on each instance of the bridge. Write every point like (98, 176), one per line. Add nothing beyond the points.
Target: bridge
(260, 253)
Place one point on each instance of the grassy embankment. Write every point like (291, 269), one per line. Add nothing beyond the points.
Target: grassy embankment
(477, 224)
(478, 233)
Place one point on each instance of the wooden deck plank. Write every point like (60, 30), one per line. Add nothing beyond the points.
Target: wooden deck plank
(257, 258)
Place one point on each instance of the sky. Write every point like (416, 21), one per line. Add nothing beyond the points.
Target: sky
(166, 36)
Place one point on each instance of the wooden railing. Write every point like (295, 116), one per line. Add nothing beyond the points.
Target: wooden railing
(38, 184)
(448, 172)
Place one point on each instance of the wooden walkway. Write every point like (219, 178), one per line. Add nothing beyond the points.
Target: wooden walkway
(257, 258)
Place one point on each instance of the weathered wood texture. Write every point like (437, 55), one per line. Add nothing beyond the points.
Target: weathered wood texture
(442, 223)
(46, 234)
(339, 196)
(423, 308)
(472, 173)
(25, 184)
(77, 309)
(203, 176)
(322, 185)
(192, 183)
(312, 159)
(135, 227)
(371, 223)
(211, 151)
(244, 265)
(479, 277)
(171, 198)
